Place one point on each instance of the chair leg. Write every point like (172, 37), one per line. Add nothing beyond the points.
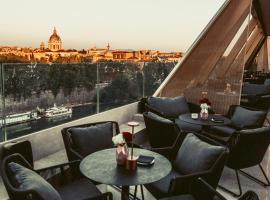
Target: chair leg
(142, 192)
(131, 196)
(231, 192)
(135, 192)
(257, 180)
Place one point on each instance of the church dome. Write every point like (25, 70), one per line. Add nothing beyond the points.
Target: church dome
(54, 38)
(55, 43)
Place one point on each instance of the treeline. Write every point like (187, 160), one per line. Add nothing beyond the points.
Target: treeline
(126, 80)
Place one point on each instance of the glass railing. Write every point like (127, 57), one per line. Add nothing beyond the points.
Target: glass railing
(38, 96)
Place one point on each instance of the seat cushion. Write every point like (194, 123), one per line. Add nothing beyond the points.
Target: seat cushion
(161, 132)
(244, 119)
(180, 197)
(26, 179)
(222, 131)
(160, 188)
(196, 155)
(188, 127)
(170, 107)
(79, 189)
(221, 134)
(90, 139)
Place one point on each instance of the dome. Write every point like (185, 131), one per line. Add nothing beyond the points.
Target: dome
(54, 37)
(55, 43)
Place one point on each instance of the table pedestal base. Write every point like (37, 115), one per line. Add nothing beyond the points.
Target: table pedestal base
(125, 193)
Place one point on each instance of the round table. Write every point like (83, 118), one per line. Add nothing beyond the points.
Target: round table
(101, 167)
(208, 122)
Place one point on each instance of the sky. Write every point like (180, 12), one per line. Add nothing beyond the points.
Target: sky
(165, 25)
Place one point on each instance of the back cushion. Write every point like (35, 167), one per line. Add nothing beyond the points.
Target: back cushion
(26, 179)
(170, 107)
(196, 155)
(243, 118)
(90, 139)
(160, 131)
(256, 89)
(158, 118)
(267, 82)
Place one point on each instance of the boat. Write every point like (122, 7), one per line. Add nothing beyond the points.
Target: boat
(59, 118)
(19, 118)
(57, 111)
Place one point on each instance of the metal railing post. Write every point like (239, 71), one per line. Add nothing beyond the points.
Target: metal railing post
(143, 86)
(97, 87)
(3, 102)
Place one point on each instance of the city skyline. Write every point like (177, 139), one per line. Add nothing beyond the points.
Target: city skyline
(152, 24)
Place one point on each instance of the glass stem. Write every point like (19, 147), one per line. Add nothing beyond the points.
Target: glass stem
(132, 143)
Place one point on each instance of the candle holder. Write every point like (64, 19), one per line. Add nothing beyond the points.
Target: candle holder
(131, 162)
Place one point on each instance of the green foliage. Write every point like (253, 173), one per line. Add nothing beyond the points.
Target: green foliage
(125, 80)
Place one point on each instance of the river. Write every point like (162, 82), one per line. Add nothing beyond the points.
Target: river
(78, 112)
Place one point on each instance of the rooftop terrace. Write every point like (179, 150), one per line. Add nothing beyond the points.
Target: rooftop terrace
(228, 64)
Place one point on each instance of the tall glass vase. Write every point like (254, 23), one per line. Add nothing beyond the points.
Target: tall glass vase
(204, 114)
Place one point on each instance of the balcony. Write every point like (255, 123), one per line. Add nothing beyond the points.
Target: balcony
(39, 100)
(38, 96)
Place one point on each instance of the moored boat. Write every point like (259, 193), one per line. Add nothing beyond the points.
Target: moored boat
(57, 111)
(19, 118)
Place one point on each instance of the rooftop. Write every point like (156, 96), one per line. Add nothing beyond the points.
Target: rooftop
(226, 68)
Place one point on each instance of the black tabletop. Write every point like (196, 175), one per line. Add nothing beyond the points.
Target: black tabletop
(221, 120)
(101, 167)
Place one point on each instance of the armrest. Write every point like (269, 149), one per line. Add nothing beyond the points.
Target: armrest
(266, 96)
(134, 145)
(76, 154)
(209, 188)
(116, 127)
(247, 96)
(168, 151)
(185, 181)
(194, 107)
(75, 162)
(154, 110)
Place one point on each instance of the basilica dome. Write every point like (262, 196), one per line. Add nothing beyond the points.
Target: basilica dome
(54, 43)
(54, 37)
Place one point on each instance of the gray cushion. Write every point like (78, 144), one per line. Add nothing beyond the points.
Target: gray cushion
(267, 82)
(90, 139)
(196, 155)
(188, 127)
(158, 118)
(161, 132)
(255, 89)
(244, 118)
(222, 134)
(27, 179)
(160, 188)
(170, 107)
(79, 189)
(222, 131)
